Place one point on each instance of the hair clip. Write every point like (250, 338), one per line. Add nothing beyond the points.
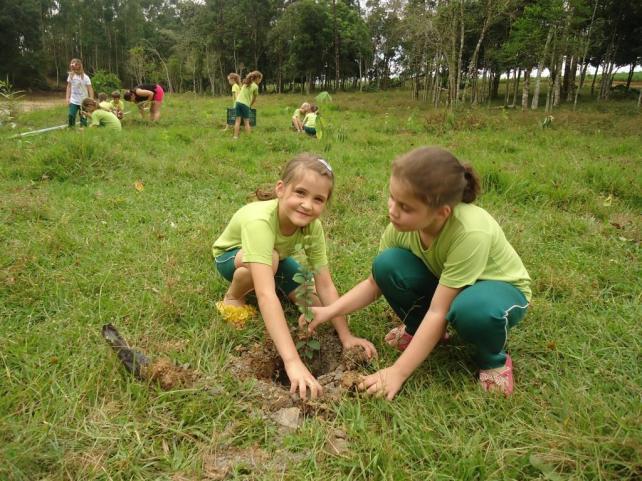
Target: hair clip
(325, 163)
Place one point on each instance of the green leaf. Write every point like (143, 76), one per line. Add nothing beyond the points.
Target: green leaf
(299, 345)
(314, 344)
(298, 278)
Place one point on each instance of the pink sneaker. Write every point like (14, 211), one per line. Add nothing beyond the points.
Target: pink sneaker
(498, 380)
(398, 338)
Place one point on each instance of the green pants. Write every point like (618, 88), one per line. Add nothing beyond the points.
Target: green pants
(481, 314)
(73, 111)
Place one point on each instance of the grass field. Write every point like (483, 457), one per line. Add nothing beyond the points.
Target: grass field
(84, 247)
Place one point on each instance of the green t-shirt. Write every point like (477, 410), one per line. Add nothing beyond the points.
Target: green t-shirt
(236, 89)
(102, 118)
(117, 105)
(470, 247)
(248, 94)
(255, 229)
(299, 114)
(105, 105)
(310, 120)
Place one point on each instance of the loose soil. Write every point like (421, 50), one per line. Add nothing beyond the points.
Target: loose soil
(334, 368)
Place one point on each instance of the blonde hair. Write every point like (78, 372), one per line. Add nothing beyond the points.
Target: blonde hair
(305, 106)
(294, 170)
(437, 177)
(79, 62)
(235, 77)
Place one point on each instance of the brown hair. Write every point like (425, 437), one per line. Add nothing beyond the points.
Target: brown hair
(115, 94)
(89, 102)
(295, 168)
(234, 76)
(436, 177)
(252, 77)
(102, 96)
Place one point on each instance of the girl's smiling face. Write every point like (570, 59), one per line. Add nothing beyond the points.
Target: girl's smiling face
(302, 201)
(74, 66)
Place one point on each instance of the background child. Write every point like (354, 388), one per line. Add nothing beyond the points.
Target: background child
(103, 103)
(441, 260)
(299, 115)
(118, 106)
(310, 120)
(100, 117)
(245, 101)
(235, 81)
(78, 88)
(147, 94)
(254, 253)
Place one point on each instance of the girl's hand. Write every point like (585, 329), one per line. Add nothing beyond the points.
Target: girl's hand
(301, 379)
(321, 315)
(352, 341)
(385, 382)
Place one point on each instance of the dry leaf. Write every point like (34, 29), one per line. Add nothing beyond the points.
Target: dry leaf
(139, 186)
(608, 201)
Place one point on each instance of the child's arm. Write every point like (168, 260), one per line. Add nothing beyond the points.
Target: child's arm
(277, 327)
(361, 295)
(388, 381)
(328, 294)
(68, 93)
(90, 91)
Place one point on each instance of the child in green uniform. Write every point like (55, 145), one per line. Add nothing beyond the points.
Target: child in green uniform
(255, 250)
(299, 115)
(245, 101)
(442, 260)
(117, 105)
(310, 121)
(235, 81)
(100, 117)
(103, 103)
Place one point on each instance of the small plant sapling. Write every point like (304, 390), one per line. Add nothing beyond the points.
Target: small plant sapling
(306, 345)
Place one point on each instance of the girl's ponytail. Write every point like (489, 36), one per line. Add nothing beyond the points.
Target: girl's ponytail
(473, 185)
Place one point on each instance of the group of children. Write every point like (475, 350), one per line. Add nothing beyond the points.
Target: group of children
(103, 113)
(442, 261)
(304, 119)
(244, 94)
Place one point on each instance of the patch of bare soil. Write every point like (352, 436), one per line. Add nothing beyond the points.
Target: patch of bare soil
(334, 368)
(168, 375)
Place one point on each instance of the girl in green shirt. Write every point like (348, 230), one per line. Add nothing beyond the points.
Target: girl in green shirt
(442, 260)
(245, 101)
(254, 253)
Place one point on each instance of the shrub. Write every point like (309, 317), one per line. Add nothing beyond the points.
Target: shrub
(105, 82)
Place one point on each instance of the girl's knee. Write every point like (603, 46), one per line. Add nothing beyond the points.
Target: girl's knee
(386, 264)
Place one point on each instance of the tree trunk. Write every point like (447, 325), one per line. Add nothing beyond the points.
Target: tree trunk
(630, 77)
(461, 50)
(516, 89)
(540, 67)
(584, 62)
(336, 45)
(597, 69)
(527, 75)
(507, 93)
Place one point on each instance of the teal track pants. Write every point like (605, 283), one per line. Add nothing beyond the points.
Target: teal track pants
(73, 111)
(481, 314)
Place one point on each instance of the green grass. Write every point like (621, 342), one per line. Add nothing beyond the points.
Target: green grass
(82, 247)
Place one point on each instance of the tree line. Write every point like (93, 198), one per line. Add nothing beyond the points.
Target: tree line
(448, 51)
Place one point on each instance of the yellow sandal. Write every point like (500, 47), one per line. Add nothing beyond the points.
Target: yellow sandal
(236, 315)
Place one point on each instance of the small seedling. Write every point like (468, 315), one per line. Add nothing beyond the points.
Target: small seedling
(307, 346)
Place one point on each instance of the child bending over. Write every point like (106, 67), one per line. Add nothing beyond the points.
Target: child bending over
(100, 117)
